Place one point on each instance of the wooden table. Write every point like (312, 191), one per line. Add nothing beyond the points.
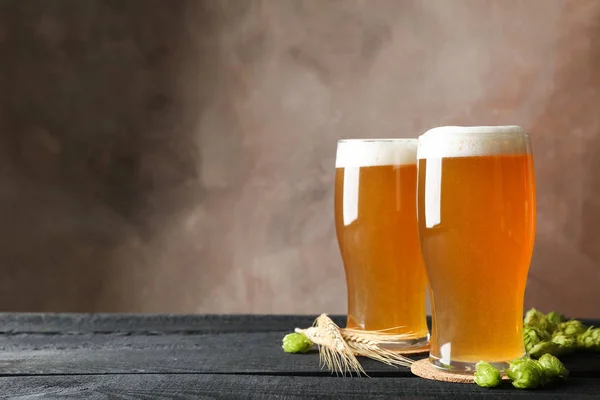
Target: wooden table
(159, 356)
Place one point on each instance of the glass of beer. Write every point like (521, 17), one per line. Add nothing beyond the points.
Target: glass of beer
(376, 225)
(476, 215)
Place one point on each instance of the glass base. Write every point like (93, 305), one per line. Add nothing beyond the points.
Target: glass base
(460, 367)
(408, 345)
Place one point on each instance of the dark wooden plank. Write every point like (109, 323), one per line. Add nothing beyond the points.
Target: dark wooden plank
(247, 353)
(11, 323)
(250, 353)
(235, 386)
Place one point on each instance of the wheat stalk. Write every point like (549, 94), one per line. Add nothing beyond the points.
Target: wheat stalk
(338, 348)
(380, 337)
(368, 344)
(334, 352)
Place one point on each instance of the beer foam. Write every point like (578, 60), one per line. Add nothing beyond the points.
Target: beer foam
(470, 141)
(376, 152)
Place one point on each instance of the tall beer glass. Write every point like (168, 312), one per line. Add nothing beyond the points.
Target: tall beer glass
(376, 225)
(476, 216)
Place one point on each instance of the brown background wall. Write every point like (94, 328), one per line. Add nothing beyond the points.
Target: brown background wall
(177, 156)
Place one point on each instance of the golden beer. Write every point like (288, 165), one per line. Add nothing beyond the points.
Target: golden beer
(476, 216)
(376, 225)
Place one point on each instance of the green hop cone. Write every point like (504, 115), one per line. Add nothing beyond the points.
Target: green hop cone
(553, 368)
(526, 374)
(572, 327)
(545, 347)
(533, 336)
(537, 319)
(296, 343)
(596, 338)
(589, 340)
(555, 317)
(533, 317)
(517, 361)
(486, 375)
(567, 344)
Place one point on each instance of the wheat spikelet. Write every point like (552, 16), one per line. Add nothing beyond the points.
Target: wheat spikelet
(334, 352)
(368, 344)
(379, 337)
(338, 348)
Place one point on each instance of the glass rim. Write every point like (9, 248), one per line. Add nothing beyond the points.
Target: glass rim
(488, 132)
(478, 135)
(378, 140)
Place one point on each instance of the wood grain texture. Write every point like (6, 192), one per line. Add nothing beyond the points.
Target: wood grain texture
(47, 323)
(103, 345)
(239, 353)
(209, 357)
(155, 323)
(172, 386)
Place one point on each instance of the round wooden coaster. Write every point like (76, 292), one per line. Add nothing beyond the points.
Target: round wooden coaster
(425, 369)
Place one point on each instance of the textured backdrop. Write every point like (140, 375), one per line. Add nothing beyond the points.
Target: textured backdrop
(177, 156)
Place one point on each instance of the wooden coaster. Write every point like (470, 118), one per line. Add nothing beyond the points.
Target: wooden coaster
(425, 369)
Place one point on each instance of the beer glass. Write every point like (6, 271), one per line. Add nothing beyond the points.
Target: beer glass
(476, 216)
(376, 226)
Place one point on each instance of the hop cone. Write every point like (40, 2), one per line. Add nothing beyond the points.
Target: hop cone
(526, 374)
(296, 343)
(533, 317)
(589, 340)
(566, 343)
(553, 368)
(486, 375)
(546, 347)
(537, 319)
(572, 327)
(533, 336)
(555, 317)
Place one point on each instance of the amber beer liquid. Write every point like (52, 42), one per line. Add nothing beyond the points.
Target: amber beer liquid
(476, 216)
(376, 225)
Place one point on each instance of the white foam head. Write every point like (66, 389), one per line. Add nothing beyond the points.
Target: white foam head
(471, 141)
(376, 152)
